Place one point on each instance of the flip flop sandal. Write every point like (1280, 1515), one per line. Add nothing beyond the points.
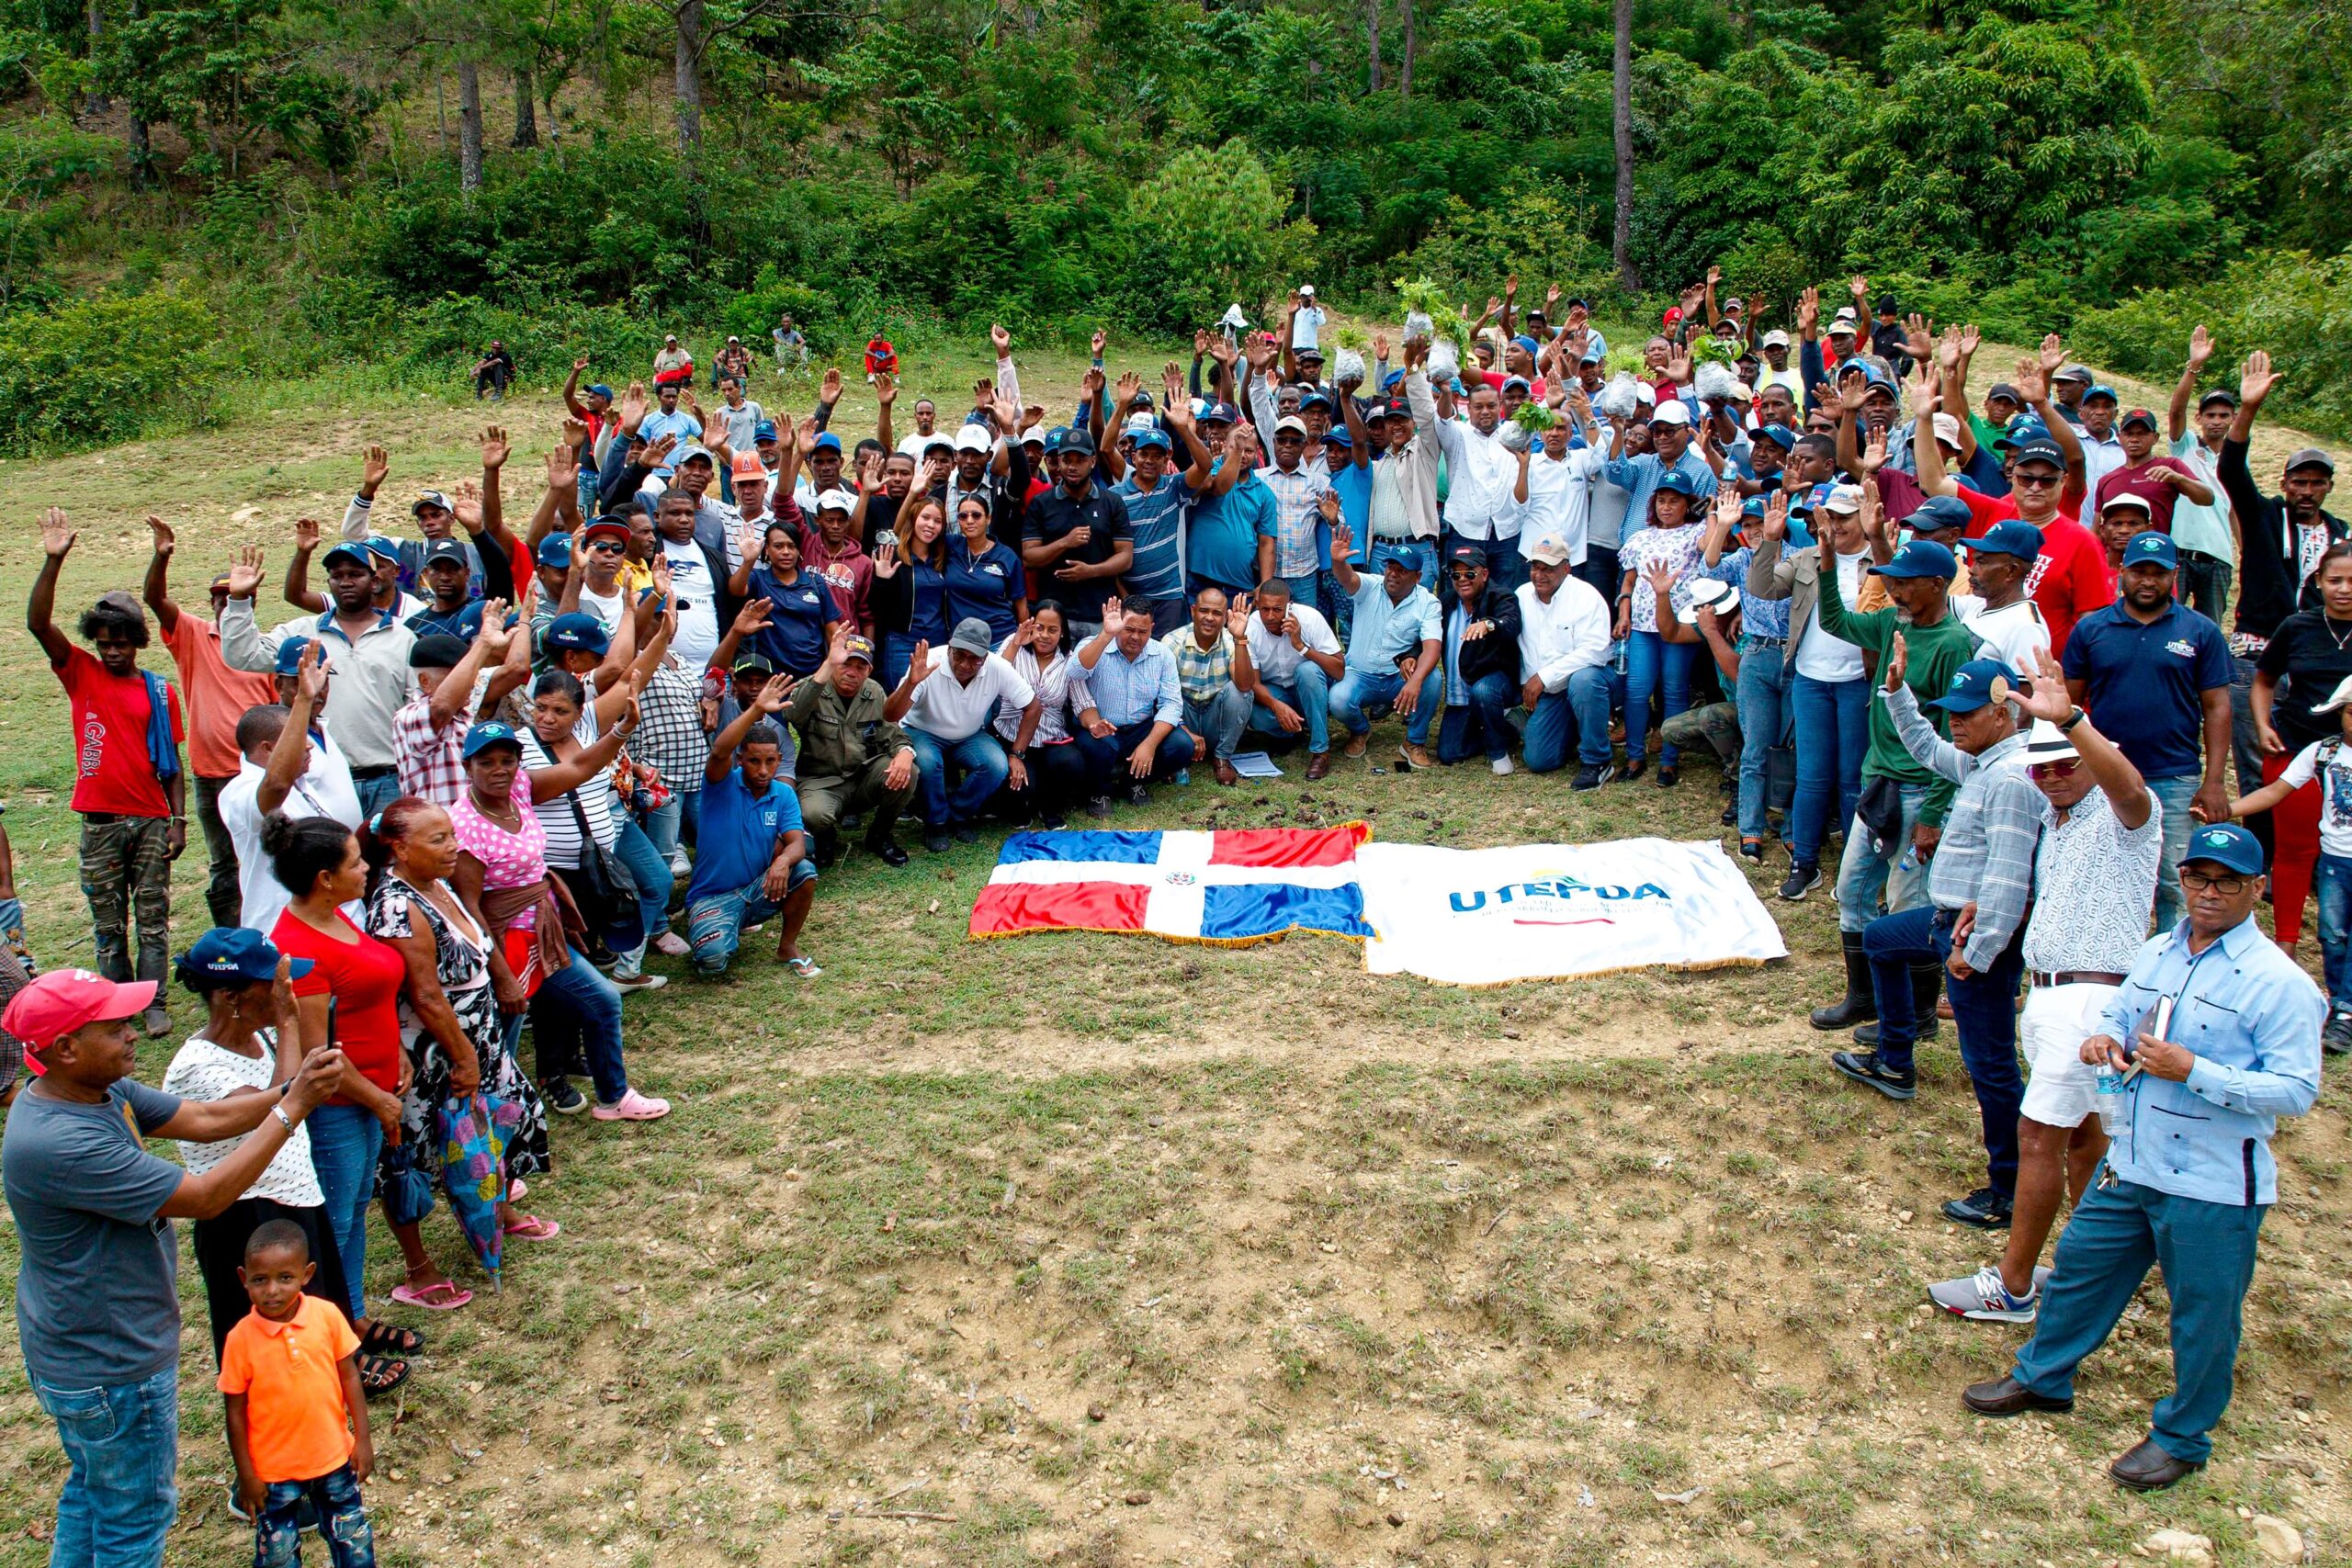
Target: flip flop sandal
(530, 1228)
(515, 1190)
(805, 967)
(381, 1374)
(442, 1297)
(391, 1339)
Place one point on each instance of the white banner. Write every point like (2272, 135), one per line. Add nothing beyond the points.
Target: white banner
(1539, 911)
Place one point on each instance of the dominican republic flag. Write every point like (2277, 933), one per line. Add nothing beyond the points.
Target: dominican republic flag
(1241, 886)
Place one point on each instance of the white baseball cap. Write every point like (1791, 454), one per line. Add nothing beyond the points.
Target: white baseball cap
(1673, 410)
(974, 438)
(1776, 339)
(1948, 430)
(837, 500)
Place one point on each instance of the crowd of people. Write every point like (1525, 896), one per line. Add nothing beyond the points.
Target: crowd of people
(495, 765)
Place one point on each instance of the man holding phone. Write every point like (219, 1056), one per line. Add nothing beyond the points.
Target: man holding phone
(2223, 1032)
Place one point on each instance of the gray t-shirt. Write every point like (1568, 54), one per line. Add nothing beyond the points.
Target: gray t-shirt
(97, 1296)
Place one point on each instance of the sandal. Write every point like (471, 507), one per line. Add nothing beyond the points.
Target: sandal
(444, 1296)
(514, 1190)
(530, 1228)
(391, 1339)
(804, 966)
(381, 1374)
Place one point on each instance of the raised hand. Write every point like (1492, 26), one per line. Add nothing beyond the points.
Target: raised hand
(829, 389)
(465, 504)
(658, 452)
(1897, 657)
(1918, 339)
(495, 448)
(870, 474)
(1328, 503)
(1101, 339)
(1000, 340)
(1714, 276)
(1808, 310)
(1860, 288)
(1172, 383)
(1968, 340)
(634, 406)
(885, 388)
(2053, 353)
(919, 662)
(1379, 347)
(2256, 381)
(495, 637)
(1776, 515)
(1130, 383)
(573, 435)
(2045, 696)
(57, 534)
(752, 616)
(580, 364)
(563, 470)
(1092, 382)
(311, 676)
(2200, 348)
(375, 466)
(306, 534)
(165, 540)
(776, 694)
(1677, 365)
(1551, 297)
(244, 573)
(2032, 382)
(1343, 540)
(1948, 352)
(1006, 413)
(885, 561)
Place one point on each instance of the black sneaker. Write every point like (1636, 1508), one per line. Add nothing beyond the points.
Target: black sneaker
(1055, 821)
(1984, 1208)
(1730, 818)
(935, 840)
(563, 1098)
(1803, 878)
(888, 852)
(1138, 796)
(2336, 1038)
(966, 834)
(1863, 1068)
(1668, 775)
(1099, 808)
(1752, 849)
(1590, 777)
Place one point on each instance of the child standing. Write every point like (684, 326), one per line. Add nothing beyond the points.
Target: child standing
(297, 1420)
(2330, 762)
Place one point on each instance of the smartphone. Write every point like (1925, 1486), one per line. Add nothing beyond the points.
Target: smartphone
(885, 539)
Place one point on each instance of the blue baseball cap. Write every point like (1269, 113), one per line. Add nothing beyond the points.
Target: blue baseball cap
(384, 548)
(1158, 437)
(1221, 413)
(1591, 357)
(2227, 845)
(1391, 379)
(1976, 683)
(603, 392)
(1752, 507)
(1318, 396)
(1677, 483)
(1938, 513)
(1526, 343)
(1386, 556)
(355, 548)
(2101, 390)
(1779, 435)
(578, 632)
(555, 550)
(2010, 536)
(289, 656)
(2021, 429)
(828, 442)
(1519, 381)
(1338, 436)
(763, 431)
(1920, 557)
(235, 953)
(2151, 549)
(482, 737)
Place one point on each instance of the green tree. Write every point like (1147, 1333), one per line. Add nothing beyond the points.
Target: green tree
(1204, 226)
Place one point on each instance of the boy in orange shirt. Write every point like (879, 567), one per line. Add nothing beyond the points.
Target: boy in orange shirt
(297, 1420)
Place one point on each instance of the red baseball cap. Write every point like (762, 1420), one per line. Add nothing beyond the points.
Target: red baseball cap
(58, 1003)
(1673, 314)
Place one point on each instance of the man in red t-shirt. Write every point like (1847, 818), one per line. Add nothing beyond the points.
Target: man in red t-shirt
(129, 788)
(2160, 480)
(217, 698)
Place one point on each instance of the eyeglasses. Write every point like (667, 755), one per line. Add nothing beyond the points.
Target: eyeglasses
(1464, 573)
(2036, 481)
(2227, 886)
(602, 544)
(2062, 769)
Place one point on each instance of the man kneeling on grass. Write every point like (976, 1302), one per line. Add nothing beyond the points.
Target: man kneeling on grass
(752, 859)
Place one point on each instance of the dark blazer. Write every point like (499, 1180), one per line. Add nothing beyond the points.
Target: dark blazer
(1497, 651)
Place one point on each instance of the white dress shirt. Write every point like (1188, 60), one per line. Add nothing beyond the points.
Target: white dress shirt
(1481, 473)
(946, 709)
(1569, 633)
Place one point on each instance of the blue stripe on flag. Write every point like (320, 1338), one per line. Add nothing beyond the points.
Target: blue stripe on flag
(1119, 848)
(1234, 910)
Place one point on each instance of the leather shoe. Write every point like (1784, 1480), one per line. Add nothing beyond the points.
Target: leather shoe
(1225, 774)
(1318, 765)
(2006, 1397)
(2148, 1467)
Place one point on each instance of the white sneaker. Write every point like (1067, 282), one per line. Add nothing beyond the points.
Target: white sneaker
(1501, 766)
(640, 981)
(1982, 1297)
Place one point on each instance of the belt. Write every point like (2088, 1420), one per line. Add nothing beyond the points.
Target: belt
(384, 771)
(2075, 978)
(1758, 641)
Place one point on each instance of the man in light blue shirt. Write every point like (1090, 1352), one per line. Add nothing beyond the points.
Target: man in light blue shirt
(1139, 701)
(2188, 1173)
(1674, 450)
(1393, 651)
(668, 419)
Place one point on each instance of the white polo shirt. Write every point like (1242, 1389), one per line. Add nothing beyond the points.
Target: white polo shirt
(1270, 654)
(946, 709)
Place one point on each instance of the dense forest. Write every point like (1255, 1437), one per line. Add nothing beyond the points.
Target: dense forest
(204, 189)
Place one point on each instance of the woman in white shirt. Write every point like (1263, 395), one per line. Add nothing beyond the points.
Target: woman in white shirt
(1830, 697)
(1065, 764)
(564, 723)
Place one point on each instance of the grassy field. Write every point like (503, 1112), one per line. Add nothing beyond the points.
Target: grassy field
(1086, 1250)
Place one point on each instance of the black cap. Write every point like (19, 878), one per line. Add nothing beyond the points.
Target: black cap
(1470, 554)
(449, 551)
(2310, 457)
(1886, 305)
(2218, 395)
(436, 650)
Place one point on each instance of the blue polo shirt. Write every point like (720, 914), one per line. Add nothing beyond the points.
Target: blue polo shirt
(739, 832)
(989, 585)
(2142, 684)
(794, 639)
(1222, 543)
(1153, 518)
(1353, 487)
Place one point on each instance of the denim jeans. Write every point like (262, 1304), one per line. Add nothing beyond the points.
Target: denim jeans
(1576, 715)
(715, 922)
(1358, 689)
(1478, 722)
(345, 1143)
(1767, 725)
(2173, 796)
(2205, 584)
(2206, 1251)
(978, 756)
(122, 1445)
(1310, 694)
(1651, 664)
(897, 653)
(1317, 591)
(672, 821)
(1867, 873)
(1175, 750)
(374, 793)
(1984, 1011)
(577, 1012)
(2244, 753)
(1220, 721)
(1505, 566)
(221, 895)
(1601, 571)
(342, 1523)
(1832, 723)
(648, 867)
(2332, 881)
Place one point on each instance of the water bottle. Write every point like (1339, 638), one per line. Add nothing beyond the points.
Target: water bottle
(2114, 1106)
(1617, 657)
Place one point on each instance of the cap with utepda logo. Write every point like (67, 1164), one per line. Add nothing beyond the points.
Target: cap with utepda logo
(483, 736)
(2010, 536)
(1920, 557)
(233, 953)
(2151, 549)
(1976, 683)
(578, 632)
(2228, 846)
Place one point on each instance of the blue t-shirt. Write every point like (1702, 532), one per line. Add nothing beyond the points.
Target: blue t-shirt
(927, 619)
(682, 424)
(427, 621)
(1222, 543)
(739, 832)
(793, 639)
(1153, 518)
(1353, 487)
(2145, 682)
(989, 585)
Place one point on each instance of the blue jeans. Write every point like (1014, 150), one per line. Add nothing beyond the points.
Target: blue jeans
(1315, 590)
(345, 1143)
(1576, 715)
(2206, 1251)
(1652, 663)
(122, 1443)
(2332, 881)
(1767, 722)
(1310, 694)
(1220, 721)
(2204, 584)
(1360, 689)
(2242, 749)
(377, 792)
(1175, 750)
(674, 819)
(979, 757)
(1832, 724)
(342, 1523)
(1865, 874)
(577, 1011)
(2173, 796)
(648, 867)
(1479, 721)
(715, 922)
(1984, 1011)
(897, 653)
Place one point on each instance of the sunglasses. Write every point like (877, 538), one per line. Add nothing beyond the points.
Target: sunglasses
(2036, 481)
(1464, 573)
(2063, 769)
(2227, 886)
(600, 546)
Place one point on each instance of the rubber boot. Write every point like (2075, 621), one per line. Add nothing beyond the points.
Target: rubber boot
(1857, 1006)
(1927, 985)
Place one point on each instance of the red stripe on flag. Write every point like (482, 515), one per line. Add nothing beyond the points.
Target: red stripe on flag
(1005, 909)
(1287, 846)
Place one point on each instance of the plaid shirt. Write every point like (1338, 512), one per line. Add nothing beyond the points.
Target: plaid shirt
(1986, 854)
(1203, 672)
(669, 737)
(428, 760)
(1298, 548)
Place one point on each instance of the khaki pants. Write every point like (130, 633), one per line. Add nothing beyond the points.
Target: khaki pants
(825, 797)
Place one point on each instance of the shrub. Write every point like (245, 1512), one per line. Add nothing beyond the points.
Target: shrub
(1205, 221)
(105, 369)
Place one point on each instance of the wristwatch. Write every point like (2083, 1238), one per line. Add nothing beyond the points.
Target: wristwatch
(2066, 725)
